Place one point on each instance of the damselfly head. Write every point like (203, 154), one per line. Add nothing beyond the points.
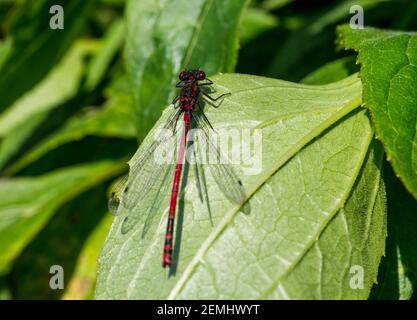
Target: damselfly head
(192, 74)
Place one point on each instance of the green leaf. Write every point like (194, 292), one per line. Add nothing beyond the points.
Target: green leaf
(22, 118)
(397, 278)
(163, 39)
(81, 284)
(317, 205)
(113, 120)
(332, 71)
(389, 75)
(71, 239)
(5, 292)
(26, 204)
(255, 22)
(275, 4)
(5, 49)
(31, 60)
(111, 44)
(306, 46)
(59, 86)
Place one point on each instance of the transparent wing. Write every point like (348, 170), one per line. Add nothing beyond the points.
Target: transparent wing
(146, 171)
(221, 170)
(151, 173)
(162, 187)
(150, 167)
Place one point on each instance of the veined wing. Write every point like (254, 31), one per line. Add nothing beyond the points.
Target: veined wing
(147, 170)
(162, 186)
(221, 170)
(151, 173)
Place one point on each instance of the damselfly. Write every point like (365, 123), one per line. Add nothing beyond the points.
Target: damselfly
(150, 173)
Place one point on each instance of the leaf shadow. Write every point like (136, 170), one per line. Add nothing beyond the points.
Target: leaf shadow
(401, 243)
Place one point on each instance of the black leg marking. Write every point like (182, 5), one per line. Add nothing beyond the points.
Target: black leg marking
(175, 100)
(209, 83)
(214, 99)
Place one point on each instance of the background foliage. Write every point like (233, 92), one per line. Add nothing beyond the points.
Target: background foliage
(75, 104)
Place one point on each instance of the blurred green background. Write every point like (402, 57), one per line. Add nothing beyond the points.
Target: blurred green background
(68, 123)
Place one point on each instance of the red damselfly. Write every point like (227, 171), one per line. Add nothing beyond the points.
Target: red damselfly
(150, 174)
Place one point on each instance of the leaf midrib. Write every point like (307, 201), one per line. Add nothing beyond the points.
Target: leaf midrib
(196, 33)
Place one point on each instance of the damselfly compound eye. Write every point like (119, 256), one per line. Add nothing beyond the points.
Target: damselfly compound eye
(184, 75)
(200, 75)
